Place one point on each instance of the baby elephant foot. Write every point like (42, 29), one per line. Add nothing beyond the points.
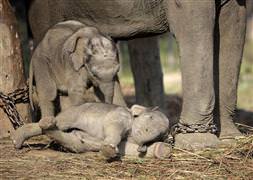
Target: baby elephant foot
(109, 151)
(47, 122)
(196, 141)
(18, 138)
(162, 150)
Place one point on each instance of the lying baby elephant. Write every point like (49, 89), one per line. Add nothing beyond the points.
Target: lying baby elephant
(71, 58)
(108, 128)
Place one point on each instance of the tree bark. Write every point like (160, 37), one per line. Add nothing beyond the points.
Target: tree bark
(146, 67)
(21, 13)
(11, 64)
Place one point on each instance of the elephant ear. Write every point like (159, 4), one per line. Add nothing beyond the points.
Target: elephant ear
(136, 110)
(74, 47)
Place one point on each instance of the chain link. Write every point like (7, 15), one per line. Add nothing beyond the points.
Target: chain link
(194, 128)
(7, 103)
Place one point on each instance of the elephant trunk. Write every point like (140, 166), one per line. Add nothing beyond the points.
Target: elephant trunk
(107, 88)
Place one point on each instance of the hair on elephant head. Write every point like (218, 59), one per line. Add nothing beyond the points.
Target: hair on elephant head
(148, 125)
(98, 55)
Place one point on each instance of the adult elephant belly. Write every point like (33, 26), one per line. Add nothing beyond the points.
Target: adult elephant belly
(116, 18)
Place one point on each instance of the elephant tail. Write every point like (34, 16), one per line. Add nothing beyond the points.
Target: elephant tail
(31, 85)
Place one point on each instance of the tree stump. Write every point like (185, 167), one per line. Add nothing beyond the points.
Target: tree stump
(11, 64)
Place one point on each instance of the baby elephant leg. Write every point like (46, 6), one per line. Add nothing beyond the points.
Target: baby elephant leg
(115, 128)
(48, 122)
(25, 132)
(63, 122)
(76, 141)
(113, 133)
(91, 143)
(45, 87)
(67, 119)
(158, 150)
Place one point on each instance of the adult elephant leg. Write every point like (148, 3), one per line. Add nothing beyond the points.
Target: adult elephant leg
(192, 22)
(231, 28)
(147, 71)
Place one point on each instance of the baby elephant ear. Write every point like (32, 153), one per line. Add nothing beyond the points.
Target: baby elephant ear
(74, 46)
(137, 109)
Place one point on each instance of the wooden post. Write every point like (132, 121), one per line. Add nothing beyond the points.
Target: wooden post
(11, 64)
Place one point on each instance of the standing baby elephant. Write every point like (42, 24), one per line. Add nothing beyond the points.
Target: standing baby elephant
(70, 59)
(103, 127)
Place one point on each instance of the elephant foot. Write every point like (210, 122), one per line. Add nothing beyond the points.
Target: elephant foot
(25, 132)
(162, 150)
(196, 141)
(109, 151)
(47, 122)
(228, 133)
(18, 138)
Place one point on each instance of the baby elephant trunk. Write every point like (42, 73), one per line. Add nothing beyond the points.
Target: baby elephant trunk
(107, 88)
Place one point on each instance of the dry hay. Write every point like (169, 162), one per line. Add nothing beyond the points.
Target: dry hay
(37, 161)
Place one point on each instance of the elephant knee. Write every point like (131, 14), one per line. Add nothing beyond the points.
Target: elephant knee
(47, 94)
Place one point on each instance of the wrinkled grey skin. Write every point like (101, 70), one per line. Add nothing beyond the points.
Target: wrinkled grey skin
(70, 59)
(210, 36)
(98, 126)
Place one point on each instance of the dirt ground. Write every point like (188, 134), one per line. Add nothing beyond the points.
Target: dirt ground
(39, 159)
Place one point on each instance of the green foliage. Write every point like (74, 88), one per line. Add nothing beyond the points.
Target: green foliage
(245, 88)
(247, 63)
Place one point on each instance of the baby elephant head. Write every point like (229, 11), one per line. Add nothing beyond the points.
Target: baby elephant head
(148, 125)
(98, 54)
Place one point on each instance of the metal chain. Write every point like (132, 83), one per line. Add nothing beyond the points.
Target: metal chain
(7, 103)
(194, 128)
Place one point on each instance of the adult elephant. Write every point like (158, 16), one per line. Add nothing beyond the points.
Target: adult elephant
(210, 36)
